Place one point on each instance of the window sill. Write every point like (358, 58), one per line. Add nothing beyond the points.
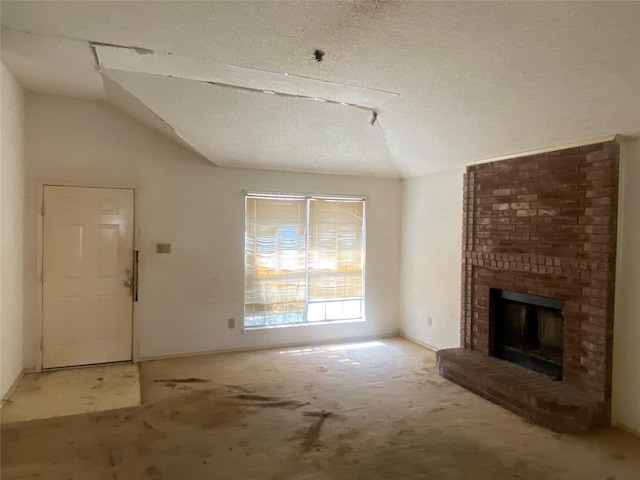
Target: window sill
(251, 330)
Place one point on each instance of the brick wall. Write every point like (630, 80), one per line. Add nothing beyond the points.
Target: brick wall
(546, 225)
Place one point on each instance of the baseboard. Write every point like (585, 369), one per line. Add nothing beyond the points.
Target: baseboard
(6, 396)
(367, 338)
(624, 428)
(415, 340)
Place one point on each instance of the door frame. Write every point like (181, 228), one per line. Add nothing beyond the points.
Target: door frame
(39, 327)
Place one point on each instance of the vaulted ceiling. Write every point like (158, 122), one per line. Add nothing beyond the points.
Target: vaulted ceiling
(403, 88)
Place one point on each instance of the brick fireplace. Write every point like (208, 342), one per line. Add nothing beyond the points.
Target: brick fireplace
(542, 226)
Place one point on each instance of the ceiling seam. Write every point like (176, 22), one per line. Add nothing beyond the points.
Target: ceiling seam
(161, 120)
(376, 120)
(145, 51)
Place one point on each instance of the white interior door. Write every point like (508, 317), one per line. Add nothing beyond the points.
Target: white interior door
(87, 275)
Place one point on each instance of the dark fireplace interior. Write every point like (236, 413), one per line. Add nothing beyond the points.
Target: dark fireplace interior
(528, 331)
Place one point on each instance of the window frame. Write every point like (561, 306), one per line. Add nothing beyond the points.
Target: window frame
(308, 196)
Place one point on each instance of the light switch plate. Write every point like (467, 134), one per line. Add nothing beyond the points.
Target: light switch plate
(163, 248)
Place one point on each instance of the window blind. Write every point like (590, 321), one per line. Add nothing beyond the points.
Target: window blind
(335, 249)
(302, 252)
(275, 256)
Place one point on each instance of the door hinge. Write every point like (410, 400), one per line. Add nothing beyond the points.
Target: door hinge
(41, 344)
(42, 209)
(42, 275)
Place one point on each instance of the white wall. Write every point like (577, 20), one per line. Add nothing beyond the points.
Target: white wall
(12, 104)
(431, 257)
(626, 353)
(186, 297)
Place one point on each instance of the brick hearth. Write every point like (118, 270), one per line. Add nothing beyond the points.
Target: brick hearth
(543, 225)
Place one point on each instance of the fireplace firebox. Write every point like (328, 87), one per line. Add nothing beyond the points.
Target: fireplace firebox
(528, 330)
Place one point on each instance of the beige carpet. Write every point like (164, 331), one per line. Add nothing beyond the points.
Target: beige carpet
(366, 411)
(72, 392)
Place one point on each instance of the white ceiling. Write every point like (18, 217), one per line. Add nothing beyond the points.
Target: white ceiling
(451, 82)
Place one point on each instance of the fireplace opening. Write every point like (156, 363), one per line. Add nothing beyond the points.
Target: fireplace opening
(528, 331)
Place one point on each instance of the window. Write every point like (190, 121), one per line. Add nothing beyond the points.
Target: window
(304, 260)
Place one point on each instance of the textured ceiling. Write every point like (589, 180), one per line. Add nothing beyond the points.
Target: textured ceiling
(452, 82)
(247, 129)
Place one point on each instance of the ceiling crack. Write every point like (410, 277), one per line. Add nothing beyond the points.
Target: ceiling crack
(288, 95)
